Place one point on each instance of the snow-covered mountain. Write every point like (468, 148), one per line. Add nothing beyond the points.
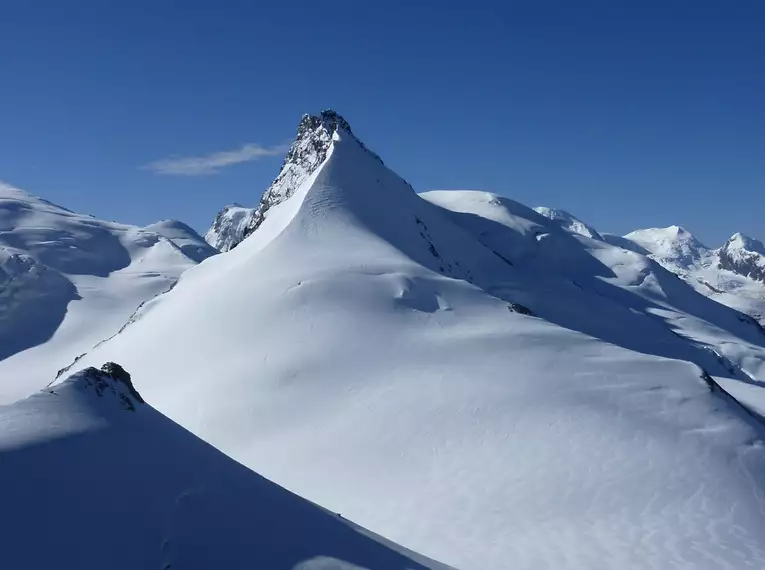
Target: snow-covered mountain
(67, 281)
(670, 245)
(92, 478)
(569, 222)
(464, 375)
(744, 256)
(733, 274)
(228, 227)
(306, 153)
(188, 241)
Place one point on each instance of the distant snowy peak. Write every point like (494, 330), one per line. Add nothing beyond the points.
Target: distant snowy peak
(79, 243)
(17, 204)
(306, 153)
(743, 255)
(188, 241)
(173, 229)
(569, 222)
(732, 275)
(741, 242)
(674, 247)
(673, 244)
(228, 228)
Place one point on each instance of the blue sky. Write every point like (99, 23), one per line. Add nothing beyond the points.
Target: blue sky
(627, 113)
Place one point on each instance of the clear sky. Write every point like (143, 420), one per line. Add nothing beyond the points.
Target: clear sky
(629, 114)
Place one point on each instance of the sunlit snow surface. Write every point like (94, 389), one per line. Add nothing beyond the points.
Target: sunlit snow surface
(359, 349)
(68, 281)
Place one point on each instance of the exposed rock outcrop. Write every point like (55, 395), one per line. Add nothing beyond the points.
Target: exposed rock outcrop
(306, 153)
(743, 255)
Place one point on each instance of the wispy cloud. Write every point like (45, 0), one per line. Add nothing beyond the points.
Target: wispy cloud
(212, 163)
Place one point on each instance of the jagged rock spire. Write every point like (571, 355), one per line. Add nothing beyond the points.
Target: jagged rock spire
(306, 153)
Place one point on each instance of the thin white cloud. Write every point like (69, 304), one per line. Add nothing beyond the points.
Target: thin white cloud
(212, 163)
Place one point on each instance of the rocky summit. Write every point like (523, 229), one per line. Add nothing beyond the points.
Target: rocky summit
(743, 255)
(306, 153)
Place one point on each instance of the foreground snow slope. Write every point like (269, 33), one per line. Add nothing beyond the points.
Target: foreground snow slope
(93, 478)
(359, 349)
(68, 281)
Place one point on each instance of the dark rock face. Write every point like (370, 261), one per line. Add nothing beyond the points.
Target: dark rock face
(737, 265)
(745, 256)
(329, 119)
(118, 373)
(229, 226)
(709, 381)
(520, 309)
(307, 152)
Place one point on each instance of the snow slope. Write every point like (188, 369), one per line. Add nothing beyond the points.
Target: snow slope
(646, 302)
(33, 301)
(373, 351)
(67, 281)
(94, 478)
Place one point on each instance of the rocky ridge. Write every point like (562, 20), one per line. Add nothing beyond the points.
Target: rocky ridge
(306, 153)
